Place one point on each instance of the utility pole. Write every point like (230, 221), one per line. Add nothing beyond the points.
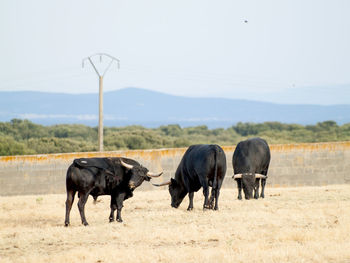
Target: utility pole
(100, 77)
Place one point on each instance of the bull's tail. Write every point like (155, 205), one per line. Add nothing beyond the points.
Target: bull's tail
(215, 181)
(69, 176)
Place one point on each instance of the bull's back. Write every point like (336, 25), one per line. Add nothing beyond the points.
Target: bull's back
(252, 155)
(203, 159)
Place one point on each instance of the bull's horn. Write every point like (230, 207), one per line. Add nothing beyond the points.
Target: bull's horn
(149, 174)
(129, 166)
(237, 176)
(260, 176)
(162, 184)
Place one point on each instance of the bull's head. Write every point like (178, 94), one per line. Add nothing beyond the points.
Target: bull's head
(248, 182)
(176, 190)
(138, 174)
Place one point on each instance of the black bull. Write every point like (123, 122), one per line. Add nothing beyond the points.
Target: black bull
(202, 165)
(250, 161)
(117, 177)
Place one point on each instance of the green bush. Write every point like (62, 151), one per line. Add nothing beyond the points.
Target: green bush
(24, 137)
(8, 146)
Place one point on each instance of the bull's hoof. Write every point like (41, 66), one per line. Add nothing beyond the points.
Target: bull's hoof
(189, 208)
(239, 197)
(85, 223)
(206, 207)
(262, 196)
(111, 220)
(119, 220)
(66, 224)
(216, 208)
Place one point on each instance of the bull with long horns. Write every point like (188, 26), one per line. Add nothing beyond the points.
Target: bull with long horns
(250, 161)
(202, 166)
(117, 177)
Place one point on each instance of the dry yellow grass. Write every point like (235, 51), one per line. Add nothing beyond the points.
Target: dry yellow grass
(306, 224)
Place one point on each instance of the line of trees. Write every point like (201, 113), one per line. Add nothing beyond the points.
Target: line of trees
(19, 137)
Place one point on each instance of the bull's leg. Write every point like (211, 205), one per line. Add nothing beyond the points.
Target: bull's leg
(206, 199)
(81, 205)
(190, 205)
(256, 188)
(113, 208)
(217, 193)
(120, 199)
(211, 199)
(69, 203)
(263, 183)
(239, 187)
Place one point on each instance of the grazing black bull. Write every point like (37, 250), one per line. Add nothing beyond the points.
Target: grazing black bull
(117, 177)
(201, 166)
(250, 162)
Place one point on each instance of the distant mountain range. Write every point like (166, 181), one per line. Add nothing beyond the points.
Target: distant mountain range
(151, 109)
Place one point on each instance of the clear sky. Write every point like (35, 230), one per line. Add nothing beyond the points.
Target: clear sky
(287, 51)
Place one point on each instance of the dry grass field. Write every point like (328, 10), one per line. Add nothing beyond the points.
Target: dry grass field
(305, 224)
